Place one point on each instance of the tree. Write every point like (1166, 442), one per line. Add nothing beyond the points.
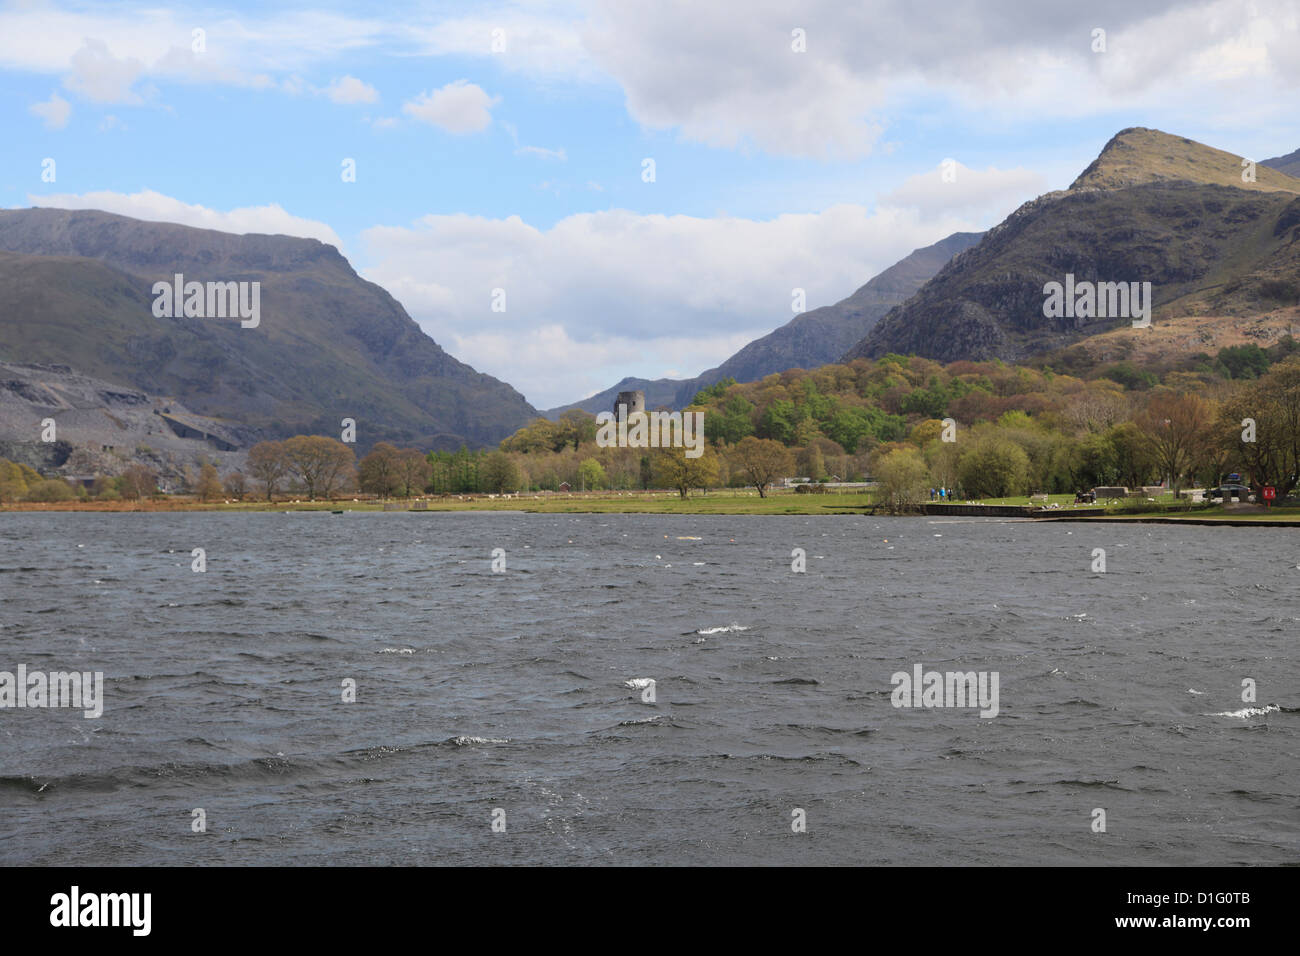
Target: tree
(674, 470)
(763, 461)
(942, 458)
(903, 478)
(378, 470)
(1095, 409)
(1133, 457)
(732, 422)
(236, 485)
(209, 484)
(14, 480)
(575, 427)
(1094, 461)
(1178, 428)
(1243, 361)
(779, 422)
(498, 473)
(268, 464)
(323, 464)
(413, 471)
(993, 467)
(1273, 402)
(105, 488)
(812, 463)
(137, 481)
(592, 473)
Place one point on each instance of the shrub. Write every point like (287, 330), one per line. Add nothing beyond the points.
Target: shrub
(51, 489)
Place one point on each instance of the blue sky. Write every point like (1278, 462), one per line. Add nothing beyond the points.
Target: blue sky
(521, 168)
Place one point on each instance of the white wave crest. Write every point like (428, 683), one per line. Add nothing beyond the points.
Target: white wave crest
(722, 630)
(466, 741)
(1248, 712)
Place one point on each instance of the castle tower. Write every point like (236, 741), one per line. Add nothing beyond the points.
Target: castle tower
(635, 402)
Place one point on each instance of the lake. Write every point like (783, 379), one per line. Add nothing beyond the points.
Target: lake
(523, 698)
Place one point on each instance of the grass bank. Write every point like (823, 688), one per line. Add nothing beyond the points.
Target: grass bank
(723, 502)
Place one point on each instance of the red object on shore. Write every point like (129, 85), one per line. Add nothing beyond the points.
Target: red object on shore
(1269, 493)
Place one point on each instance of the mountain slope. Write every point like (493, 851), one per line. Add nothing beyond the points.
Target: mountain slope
(1289, 164)
(1138, 155)
(76, 288)
(819, 337)
(808, 340)
(1206, 247)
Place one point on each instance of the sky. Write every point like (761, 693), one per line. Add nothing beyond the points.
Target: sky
(647, 183)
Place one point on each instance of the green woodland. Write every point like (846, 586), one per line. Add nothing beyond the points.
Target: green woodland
(1014, 430)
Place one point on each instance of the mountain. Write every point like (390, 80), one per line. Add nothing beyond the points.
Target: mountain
(1289, 164)
(102, 427)
(820, 337)
(1137, 155)
(1152, 208)
(658, 392)
(809, 340)
(76, 288)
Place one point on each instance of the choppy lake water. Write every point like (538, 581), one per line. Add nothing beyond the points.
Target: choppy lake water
(478, 691)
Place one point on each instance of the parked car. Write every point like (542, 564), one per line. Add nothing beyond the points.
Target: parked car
(1229, 492)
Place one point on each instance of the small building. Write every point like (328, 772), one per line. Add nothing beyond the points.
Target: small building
(565, 486)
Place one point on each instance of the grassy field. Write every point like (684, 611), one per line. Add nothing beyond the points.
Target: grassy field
(726, 501)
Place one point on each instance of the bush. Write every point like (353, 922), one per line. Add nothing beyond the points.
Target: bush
(994, 467)
(51, 489)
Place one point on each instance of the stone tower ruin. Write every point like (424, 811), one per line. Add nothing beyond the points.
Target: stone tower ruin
(635, 402)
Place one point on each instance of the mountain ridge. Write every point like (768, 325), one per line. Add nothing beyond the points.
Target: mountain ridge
(816, 337)
(78, 291)
(1211, 245)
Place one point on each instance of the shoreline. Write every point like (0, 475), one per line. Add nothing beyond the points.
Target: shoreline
(670, 504)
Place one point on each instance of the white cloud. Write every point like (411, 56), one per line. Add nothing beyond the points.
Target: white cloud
(991, 193)
(101, 77)
(156, 207)
(459, 107)
(54, 111)
(725, 73)
(539, 42)
(542, 153)
(605, 294)
(351, 90)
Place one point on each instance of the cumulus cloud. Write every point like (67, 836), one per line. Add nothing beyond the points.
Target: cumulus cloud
(350, 90)
(156, 207)
(991, 193)
(726, 73)
(54, 111)
(459, 107)
(101, 77)
(616, 292)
